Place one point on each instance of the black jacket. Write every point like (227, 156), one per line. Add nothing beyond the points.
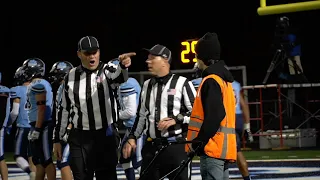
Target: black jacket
(212, 101)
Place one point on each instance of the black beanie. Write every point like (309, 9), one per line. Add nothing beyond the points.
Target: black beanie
(208, 48)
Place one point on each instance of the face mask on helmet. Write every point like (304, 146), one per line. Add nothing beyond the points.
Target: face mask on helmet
(33, 68)
(59, 71)
(19, 78)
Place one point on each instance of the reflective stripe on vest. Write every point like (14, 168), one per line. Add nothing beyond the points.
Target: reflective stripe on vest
(223, 144)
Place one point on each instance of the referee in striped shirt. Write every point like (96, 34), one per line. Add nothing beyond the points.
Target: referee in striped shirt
(89, 102)
(163, 115)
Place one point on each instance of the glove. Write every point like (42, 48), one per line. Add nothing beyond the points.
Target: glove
(66, 135)
(196, 147)
(247, 132)
(34, 134)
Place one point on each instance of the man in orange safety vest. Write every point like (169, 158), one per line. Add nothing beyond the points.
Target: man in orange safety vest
(212, 120)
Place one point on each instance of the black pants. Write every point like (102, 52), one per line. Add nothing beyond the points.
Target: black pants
(22, 144)
(167, 161)
(93, 152)
(41, 149)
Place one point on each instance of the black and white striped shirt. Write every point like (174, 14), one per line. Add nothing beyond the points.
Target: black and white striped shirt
(176, 96)
(88, 99)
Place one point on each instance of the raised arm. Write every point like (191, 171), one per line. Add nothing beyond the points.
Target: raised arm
(118, 72)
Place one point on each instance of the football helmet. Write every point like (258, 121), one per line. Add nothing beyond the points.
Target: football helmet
(33, 68)
(58, 71)
(18, 77)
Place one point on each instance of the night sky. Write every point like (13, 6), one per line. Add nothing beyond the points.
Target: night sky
(245, 37)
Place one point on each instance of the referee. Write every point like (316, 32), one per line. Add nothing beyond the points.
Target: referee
(163, 115)
(89, 103)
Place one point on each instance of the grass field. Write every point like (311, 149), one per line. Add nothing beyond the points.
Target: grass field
(254, 155)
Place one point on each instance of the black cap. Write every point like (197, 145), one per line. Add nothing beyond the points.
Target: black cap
(160, 50)
(208, 47)
(88, 43)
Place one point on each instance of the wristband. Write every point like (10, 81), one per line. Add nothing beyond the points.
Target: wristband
(246, 126)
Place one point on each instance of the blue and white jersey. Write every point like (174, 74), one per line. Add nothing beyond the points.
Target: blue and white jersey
(196, 83)
(129, 89)
(21, 93)
(237, 92)
(38, 86)
(4, 91)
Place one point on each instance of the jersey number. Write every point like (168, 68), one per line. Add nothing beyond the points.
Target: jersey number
(27, 106)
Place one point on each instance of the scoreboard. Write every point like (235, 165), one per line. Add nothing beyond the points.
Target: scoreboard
(187, 54)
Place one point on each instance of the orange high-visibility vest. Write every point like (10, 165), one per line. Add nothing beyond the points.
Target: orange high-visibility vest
(223, 144)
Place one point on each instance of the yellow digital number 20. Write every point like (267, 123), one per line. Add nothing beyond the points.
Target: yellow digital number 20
(189, 46)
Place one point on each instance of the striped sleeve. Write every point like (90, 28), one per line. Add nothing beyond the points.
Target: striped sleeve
(127, 89)
(4, 91)
(116, 73)
(14, 92)
(62, 112)
(141, 118)
(189, 94)
(38, 88)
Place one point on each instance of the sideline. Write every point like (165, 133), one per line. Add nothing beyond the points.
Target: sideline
(256, 160)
